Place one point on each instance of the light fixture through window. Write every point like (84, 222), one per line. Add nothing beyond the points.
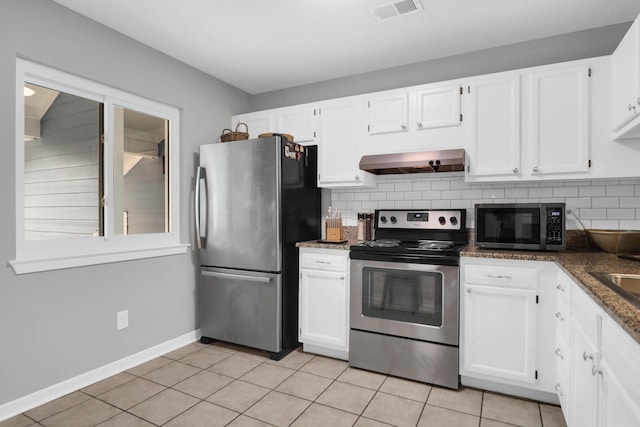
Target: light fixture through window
(28, 91)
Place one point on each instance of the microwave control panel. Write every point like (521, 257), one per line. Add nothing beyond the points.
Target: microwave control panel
(555, 225)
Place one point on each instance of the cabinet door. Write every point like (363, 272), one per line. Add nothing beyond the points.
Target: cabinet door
(618, 408)
(324, 316)
(494, 126)
(583, 381)
(388, 113)
(340, 145)
(300, 122)
(438, 106)
(559, 120)
(257, 123)
(625, 68)
(500, 332)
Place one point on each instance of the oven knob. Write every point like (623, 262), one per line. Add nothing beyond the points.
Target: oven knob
(383, 219)
(442, 220)
(453, 220)
(393, 219)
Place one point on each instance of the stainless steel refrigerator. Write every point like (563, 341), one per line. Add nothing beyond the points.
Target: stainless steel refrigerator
(254, 199)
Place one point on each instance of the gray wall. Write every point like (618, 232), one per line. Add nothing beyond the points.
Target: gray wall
(60, 324)
(567, 47)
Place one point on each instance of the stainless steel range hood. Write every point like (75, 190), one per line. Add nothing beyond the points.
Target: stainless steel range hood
(420, 162)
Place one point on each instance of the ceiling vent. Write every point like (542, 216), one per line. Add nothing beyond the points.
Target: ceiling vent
(396, 9)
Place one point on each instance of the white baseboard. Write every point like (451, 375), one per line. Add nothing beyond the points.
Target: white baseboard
(55, 391)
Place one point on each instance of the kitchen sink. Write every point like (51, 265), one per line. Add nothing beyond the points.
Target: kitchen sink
(626, 285)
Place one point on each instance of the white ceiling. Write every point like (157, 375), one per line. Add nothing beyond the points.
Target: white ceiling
(265, 45)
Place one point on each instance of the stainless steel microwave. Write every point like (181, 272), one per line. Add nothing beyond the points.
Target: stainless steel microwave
(526, 226)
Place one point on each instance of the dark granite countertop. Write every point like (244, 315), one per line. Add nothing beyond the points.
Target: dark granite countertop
(578, 264)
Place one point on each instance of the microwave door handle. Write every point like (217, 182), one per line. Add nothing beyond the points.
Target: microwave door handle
(201, 174)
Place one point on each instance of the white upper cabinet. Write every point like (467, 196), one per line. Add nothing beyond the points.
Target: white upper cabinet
(426, 117)
(558, 119)
(530, 124)
(388, 113)
(438, 106)
(300, 122)
(625, 66)
(258, 123)
(493, 127)
(339, 149)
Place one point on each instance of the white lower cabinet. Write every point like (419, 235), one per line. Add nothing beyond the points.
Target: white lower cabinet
(603, 384)
(324, 302)
(506, 313)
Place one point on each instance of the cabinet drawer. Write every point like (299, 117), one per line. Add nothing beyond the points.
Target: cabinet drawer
(562, 317)
(563, 391)
(563, 288)
(512, 277)
(563, 357)
(324, 261)
(586, 313)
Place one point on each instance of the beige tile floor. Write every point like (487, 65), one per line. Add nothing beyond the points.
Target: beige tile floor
(219, 385)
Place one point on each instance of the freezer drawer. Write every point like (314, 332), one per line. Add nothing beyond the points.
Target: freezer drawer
(241, 307)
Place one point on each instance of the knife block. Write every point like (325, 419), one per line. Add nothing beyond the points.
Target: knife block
(334, 230)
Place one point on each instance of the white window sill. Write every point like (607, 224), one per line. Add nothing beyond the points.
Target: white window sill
(23, 266)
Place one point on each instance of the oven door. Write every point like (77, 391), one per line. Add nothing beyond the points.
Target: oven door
(411, 300)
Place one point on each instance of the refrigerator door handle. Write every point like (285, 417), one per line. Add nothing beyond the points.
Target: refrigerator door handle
(237, 276)
(201, 174)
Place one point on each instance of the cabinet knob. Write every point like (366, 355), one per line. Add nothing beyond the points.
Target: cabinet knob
(468, 290)
(561, 317)
(559, 353)
(515, 170)
(536, 169)
(420, 123)
(586, 356)
(357, 177)
(595, 370)
(638, 101)
(632, 107)
(559, 389)
(560, 288)
(403, 127)
(341, 277)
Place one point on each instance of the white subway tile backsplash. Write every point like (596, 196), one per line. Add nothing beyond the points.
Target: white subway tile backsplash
(441, 185)
(451, 194)
(593, 191)
(630, 202)
(541, 192)
(621, 214)
(403, 186)
(493, 193)
(598, 204)
(605, 202)
(516, 193)
(620, 190)
(565, 191)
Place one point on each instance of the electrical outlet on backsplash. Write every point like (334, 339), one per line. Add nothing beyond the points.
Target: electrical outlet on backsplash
(607, 204)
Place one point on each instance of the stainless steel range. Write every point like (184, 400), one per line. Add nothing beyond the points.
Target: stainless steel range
(405, 295)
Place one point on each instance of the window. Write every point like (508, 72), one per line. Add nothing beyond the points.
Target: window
(96, 173)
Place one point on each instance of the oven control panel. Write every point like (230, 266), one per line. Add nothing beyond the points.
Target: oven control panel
(419, 219)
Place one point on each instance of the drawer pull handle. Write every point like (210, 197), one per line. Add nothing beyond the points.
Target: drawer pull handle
(559, 353)
(322, 262)
(561, 288)
(498, 276)
(559, 389)
(561, 317)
